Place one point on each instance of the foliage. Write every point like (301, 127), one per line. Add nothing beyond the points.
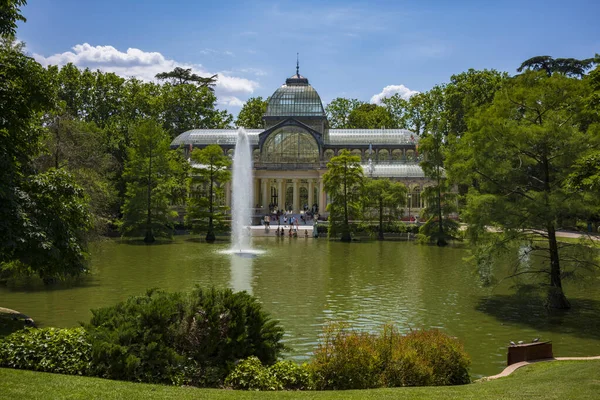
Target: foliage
(206, 186)
(62, 351)
(384, 199)
(184, 75)
(24, 96)
(186, 106)
(566, 66)
(133, 340)
(290, 375)
(343, 182)
(10, 13)
(78, 147)
(149, 175)
(440, 201)
(347, 359)
(250, 116)
(54, 242)
(575, 380)
(339, 110)
(181, 338)
(397, 106)
(250, 374)
(370, 116)
(518, 153)
(220, 327)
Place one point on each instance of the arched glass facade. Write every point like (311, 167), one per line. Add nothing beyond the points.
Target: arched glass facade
(290, 145)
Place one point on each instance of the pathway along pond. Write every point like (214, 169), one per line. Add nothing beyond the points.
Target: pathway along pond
(305, 283)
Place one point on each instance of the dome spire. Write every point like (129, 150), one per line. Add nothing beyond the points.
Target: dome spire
(297, 63)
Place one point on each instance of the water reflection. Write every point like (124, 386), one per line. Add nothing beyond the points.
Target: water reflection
(241, 273)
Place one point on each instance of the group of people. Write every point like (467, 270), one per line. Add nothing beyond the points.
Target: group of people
(292, 232)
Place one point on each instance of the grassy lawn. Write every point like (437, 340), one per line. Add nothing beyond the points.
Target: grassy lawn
(549, 380)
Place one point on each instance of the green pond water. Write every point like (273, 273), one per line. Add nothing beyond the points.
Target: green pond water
(305, 283)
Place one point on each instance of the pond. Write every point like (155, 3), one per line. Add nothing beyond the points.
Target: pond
(305, 283)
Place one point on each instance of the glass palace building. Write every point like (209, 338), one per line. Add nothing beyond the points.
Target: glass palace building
(292, 151)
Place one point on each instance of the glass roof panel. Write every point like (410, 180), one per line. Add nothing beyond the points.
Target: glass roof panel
(295, 101)
(373, 136)
(394, 171)
(217, 136)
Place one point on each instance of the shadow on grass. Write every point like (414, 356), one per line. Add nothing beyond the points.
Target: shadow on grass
(582, 320)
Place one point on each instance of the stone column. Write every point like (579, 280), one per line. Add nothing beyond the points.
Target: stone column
(265, 194)
(310, 193)
(228, 194)
(322, 204)
(295, 198)
(280, 195)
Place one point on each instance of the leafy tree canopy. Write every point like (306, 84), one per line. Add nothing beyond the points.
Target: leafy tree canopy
(343, 182)
(370, 116)
(338, 112)
(518, 154)
(10, 13)
(566, 66)
(184, 75)
(252, 112)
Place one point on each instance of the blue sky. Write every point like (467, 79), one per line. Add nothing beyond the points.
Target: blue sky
(347, 48)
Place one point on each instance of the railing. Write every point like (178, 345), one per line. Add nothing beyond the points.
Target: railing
(319, 165)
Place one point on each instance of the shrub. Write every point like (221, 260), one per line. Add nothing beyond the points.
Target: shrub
(357, 360)
(250, 374)
(192, 339)
(133, 340)
(290, 375)
(65, 351)
(345, 360)
(221, 327)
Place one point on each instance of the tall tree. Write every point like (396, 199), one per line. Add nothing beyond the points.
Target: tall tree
(251, 114)
(398, 108)
(181, 76)
(209, 175)
(384, 198)
(148, 175)
(187, 106)
(370, 116)
(10, 13)
(338, 112)
(43, 216)
(566, 66)
(439, 228)
(343, 182)
(78, 147)
(518, 153)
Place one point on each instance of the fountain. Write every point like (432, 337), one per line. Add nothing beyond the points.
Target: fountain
(242, 195)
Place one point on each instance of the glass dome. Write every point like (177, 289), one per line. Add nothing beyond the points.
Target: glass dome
(295, 99)
(290, 145)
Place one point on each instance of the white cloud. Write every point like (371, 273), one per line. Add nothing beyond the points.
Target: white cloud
(145, 65)
(230, 101)
(391, 90)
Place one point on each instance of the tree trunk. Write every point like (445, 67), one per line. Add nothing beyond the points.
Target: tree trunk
(380, 219)
(149, 238)
(210, 235)
(346, 237)
(441, 241)
(556, 298)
